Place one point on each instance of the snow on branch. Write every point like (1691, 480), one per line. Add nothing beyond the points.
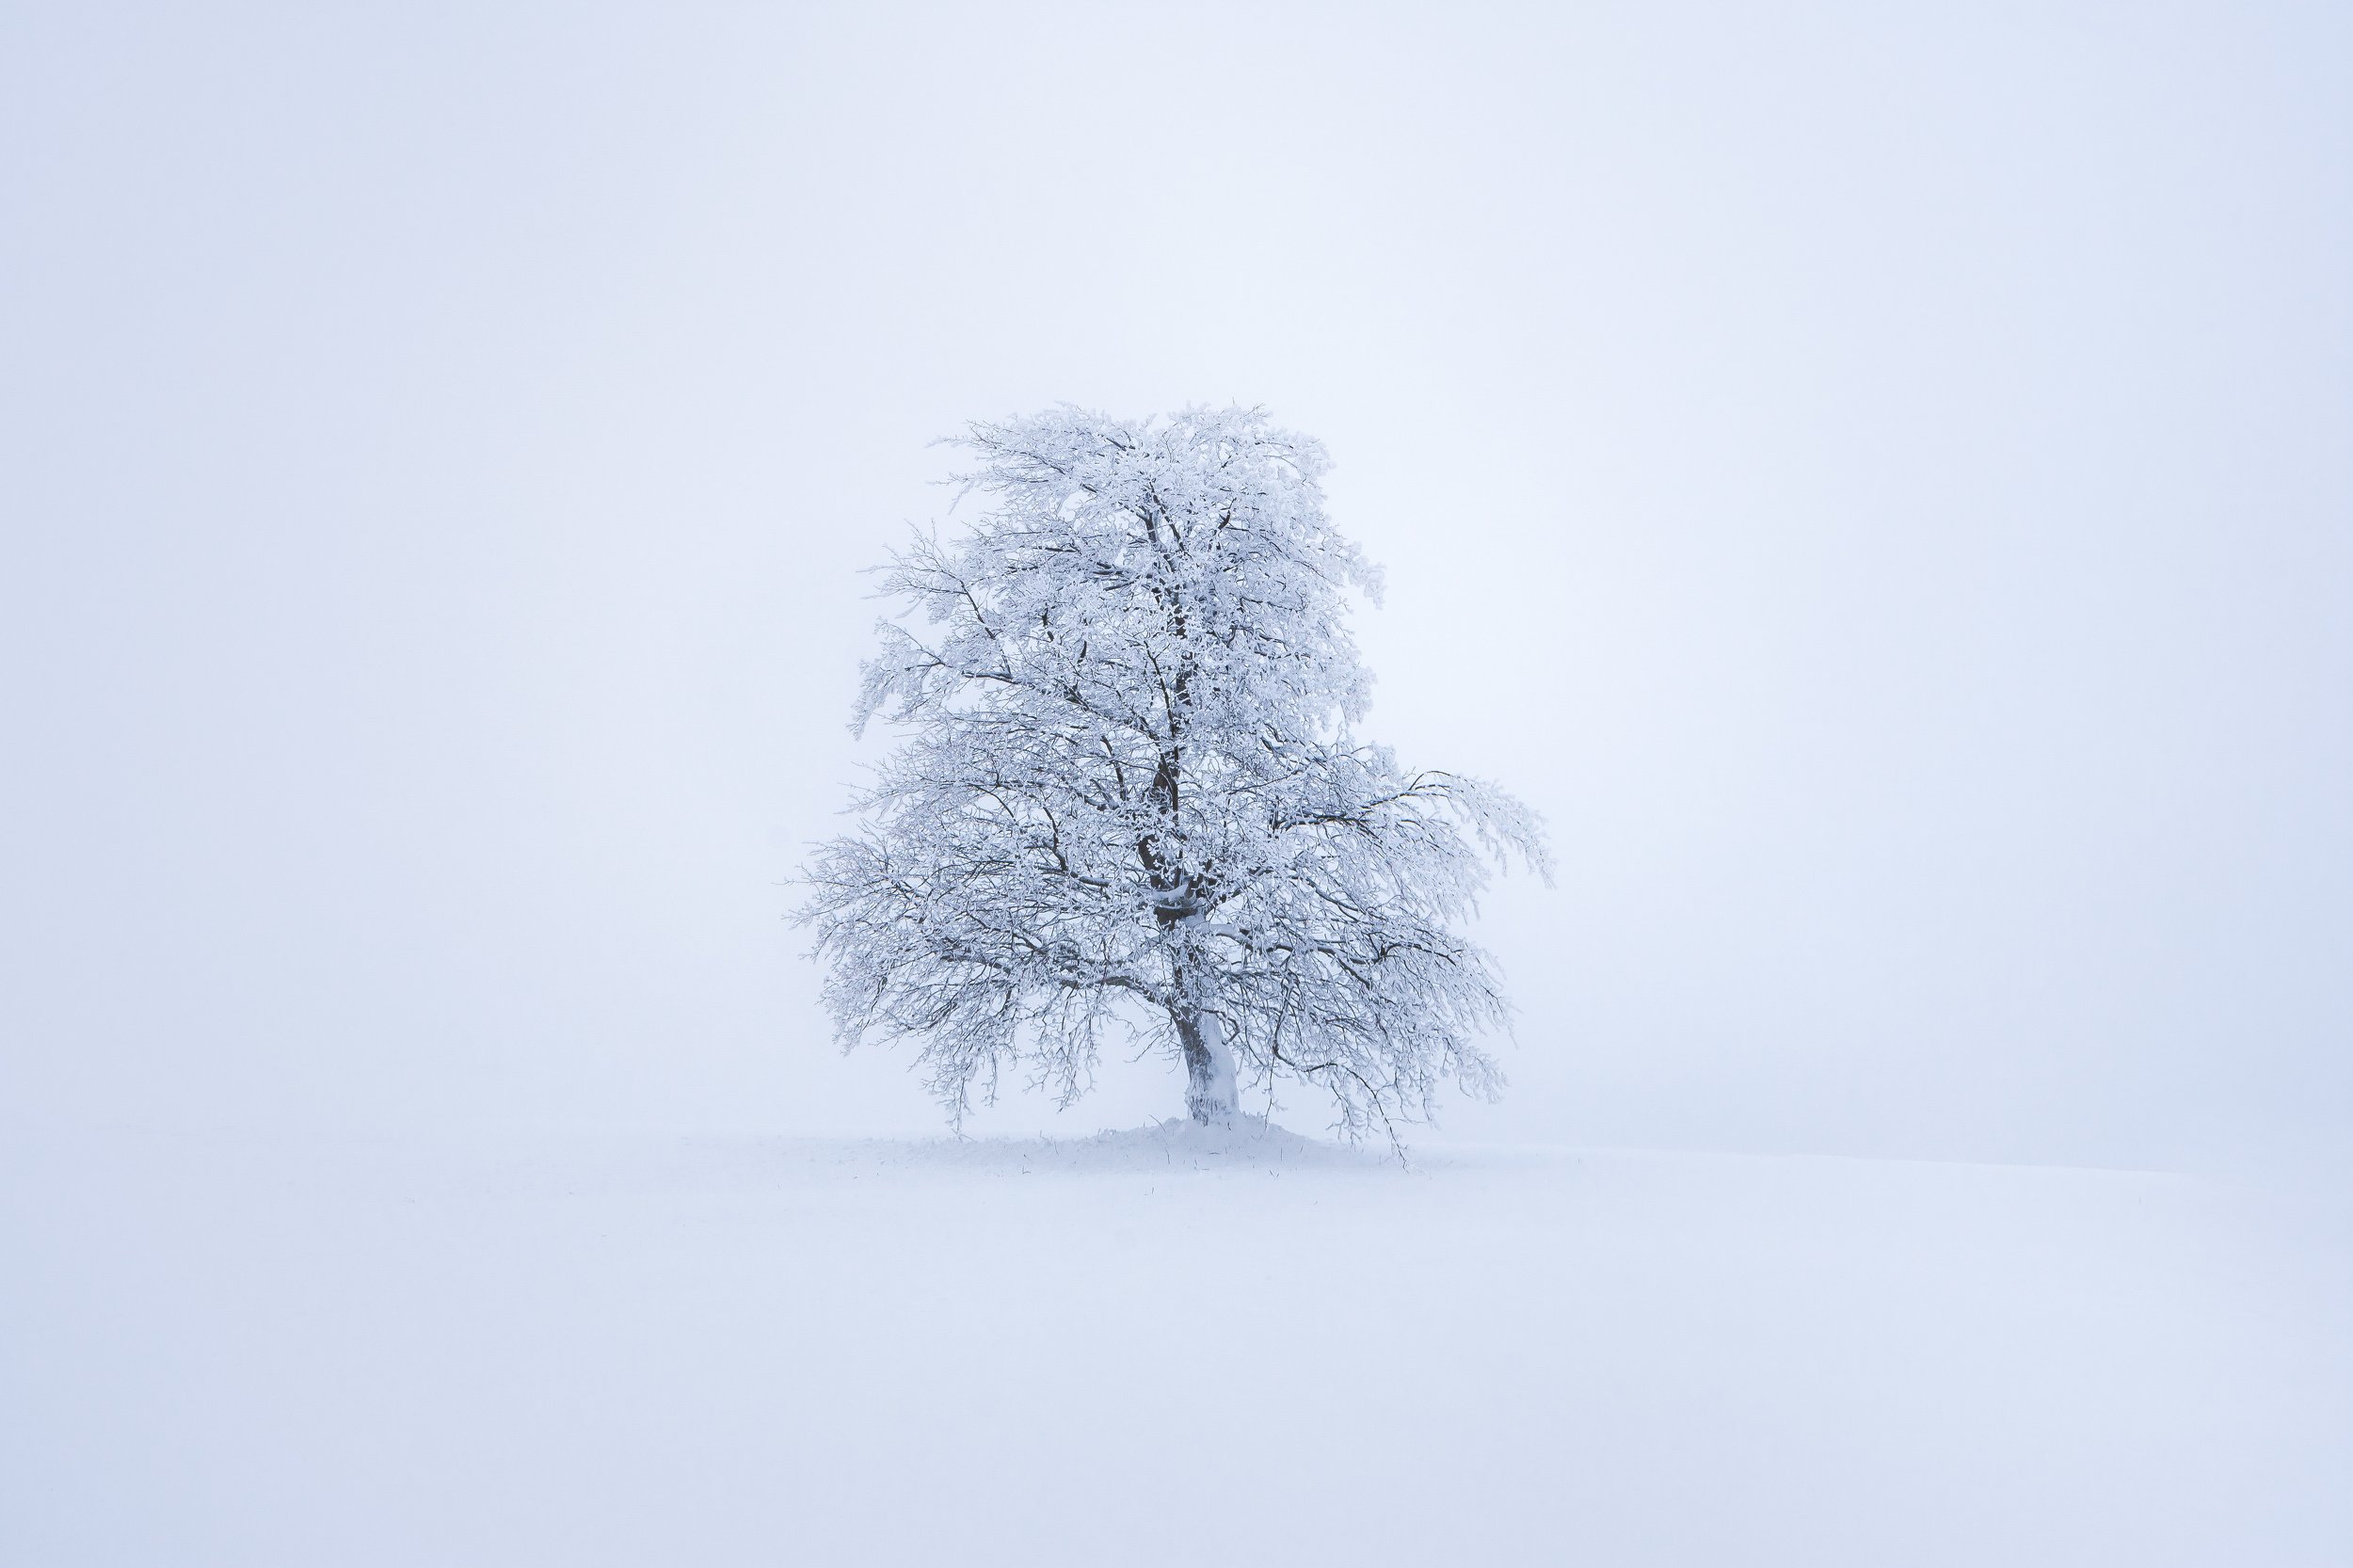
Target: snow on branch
(1129, 802)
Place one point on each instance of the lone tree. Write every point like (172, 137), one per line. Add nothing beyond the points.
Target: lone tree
(1130, 802)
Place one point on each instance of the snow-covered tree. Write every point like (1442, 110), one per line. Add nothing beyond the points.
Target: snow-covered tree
(1131, 802)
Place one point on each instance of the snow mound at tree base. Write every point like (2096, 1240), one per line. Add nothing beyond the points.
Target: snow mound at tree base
(1246, 1143)
(1245, 1140)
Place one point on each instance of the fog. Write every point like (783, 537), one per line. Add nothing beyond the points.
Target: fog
(1877, 479)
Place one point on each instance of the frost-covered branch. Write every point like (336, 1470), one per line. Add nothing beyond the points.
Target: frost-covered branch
(1129, 804)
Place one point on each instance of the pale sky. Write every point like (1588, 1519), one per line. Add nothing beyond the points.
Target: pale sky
(1879, 479)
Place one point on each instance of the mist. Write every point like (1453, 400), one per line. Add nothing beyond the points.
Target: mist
(1877, 480)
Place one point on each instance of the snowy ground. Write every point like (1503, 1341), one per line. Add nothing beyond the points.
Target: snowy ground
(1148, 1349)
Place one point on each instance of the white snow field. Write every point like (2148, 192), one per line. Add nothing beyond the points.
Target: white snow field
(1154, 1348)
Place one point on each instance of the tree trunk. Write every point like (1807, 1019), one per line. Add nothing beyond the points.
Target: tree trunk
(1210, 1092)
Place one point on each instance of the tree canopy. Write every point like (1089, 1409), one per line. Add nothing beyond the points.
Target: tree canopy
(1130, 805)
